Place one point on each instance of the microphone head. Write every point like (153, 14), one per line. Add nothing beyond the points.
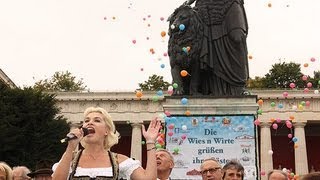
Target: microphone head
(87, 131)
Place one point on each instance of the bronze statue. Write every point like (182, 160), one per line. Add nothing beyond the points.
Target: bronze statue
(222, 63)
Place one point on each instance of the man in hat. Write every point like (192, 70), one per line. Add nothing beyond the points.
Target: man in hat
(43, 171)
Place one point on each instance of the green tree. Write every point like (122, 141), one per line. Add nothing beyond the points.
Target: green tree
(282, 74)
(60, 81)
(316, 79)
(256, 83)
(154, 83)
(30, 127)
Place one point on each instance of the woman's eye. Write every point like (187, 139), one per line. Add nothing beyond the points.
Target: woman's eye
(97, 120)
(86, 121)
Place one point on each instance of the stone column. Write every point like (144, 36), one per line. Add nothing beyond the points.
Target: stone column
(300, 153)
(136, 138)
(265, 145)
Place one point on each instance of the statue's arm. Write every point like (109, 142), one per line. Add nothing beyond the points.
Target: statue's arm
(189, 2)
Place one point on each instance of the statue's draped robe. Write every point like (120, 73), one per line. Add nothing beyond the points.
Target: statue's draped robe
(223, 60)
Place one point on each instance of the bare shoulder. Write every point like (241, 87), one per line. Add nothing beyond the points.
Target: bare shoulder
(122, 158)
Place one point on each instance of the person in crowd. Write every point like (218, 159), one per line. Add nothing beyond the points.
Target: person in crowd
(95, 160)
(224, 54)
(43, 170)
(277, 175)
(165, 163)
(211, 169)
(233, 170)
(20, 173)
(5, 171)
(311, 176)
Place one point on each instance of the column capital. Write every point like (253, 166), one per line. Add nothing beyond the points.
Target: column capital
(299, 124)
(136, 124)
(265, 124)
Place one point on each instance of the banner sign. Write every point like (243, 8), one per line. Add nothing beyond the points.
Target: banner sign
(191, 139)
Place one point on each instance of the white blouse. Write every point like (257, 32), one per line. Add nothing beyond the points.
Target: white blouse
(125, 169)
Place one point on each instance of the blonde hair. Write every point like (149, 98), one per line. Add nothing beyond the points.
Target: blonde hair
(113, 136)
(24, 169)
(4, 167)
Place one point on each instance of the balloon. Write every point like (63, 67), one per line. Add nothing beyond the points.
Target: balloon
(312, 59)
(303, 103)
(158, 146)
(159, 93)
(171, 126)
(270, 152)
(188, 113)
(172, 26)
(167, 113)
(280, 106)
(285, 94)
(294, 107)
(170, 133)
(176, 150)
(304, 77)
(307, 103)
(182, 27)
(184, 73)
(155, 98)
(309, 84)
(294, 139)
(163, 33)
(289, 124)
(316, 91)
(188, 48)
(134, 41)
(161, 18)
(139, 94)
(292, 85)
(260, 102)
(175, 85)
(165, 54)
(272, 120)
(259, 111)
(272, 104)
(269, 5)
(290, 136)
(184, 101)
(170, 87)
(263, 173)
(184, 127)
(306, 90)
(162, 66)
(170, 92)
(305, 64)
(249, 57)
(275, 126)
(143, 142)
(183, 136)
(300, 107)
(296, 146)
(257, 122)
(319, 82)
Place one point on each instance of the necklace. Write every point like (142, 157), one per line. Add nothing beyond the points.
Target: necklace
(93, 157)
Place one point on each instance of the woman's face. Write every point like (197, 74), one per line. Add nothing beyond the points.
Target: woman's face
(97, 127)
(3, 175)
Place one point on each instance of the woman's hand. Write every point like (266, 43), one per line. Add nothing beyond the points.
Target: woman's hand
(152, 133)
(73, 143)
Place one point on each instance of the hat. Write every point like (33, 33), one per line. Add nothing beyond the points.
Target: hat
(43, 167)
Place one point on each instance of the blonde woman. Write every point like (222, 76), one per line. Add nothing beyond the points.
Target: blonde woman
(96, 161)
(5, 171)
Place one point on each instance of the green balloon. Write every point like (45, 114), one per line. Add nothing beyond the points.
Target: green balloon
(273, 104)
(158, 146)
(155, 98)
(260, 111)
(143, 142)
(319, 82)
(175, 85)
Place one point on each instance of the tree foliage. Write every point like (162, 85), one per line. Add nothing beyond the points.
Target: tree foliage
(282, 74)
(30, 128)
(60, 81)
(154, 83)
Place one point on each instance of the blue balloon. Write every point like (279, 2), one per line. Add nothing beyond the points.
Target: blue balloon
(280, 106)
(159, 93)
(184, 101)
(162, 66)
(182, 27)
(294, 139)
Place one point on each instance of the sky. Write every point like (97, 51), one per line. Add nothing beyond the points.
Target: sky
(94, 39)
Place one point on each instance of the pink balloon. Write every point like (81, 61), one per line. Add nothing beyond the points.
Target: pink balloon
(257, 122)
(292, 85)
(306, 90)
(183, 136)
(290, 136)
(167, 113)
(313, 59)
(170, 133)
(278, 120)
(275, 126)
(285, 94)
(134, 41)
(161, 18)
(308, 103)
(304, 77)
(263, 173)
(309, 84)
(171, 126)
(288, 124)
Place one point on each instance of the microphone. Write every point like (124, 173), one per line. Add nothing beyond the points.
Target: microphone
(71, 136)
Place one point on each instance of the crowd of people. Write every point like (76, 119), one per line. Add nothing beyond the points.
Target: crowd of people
(88, 157)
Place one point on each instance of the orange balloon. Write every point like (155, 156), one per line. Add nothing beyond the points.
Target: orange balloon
(139, 94)
(250, 57)
(296, 146)
(188, 48)
(272, 120)
(269, 5)
(291, 117)
(163, 33)
(184, 73)
(188, 113)
(260, 102)
(305, 64)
